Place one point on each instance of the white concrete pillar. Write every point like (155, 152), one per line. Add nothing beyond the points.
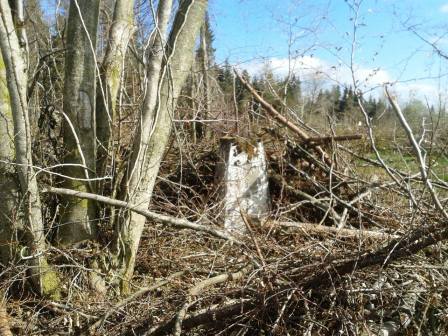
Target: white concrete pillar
(244, 181)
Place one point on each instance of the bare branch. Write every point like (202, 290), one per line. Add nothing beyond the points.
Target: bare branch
(418, 152)
(163, 219)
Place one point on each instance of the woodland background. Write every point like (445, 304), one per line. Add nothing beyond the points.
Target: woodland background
(111, 116)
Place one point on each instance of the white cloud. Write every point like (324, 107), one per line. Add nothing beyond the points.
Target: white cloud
(444, 8)
(309, 68)
(422, 91)
(316, 73)
(280, 66)
(305, 66)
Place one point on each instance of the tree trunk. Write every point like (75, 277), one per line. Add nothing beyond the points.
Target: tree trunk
(125, 246)
(44, 279)
(146, 121)
(9, 187)
(205, 64)
(111, 72)
(78, 217)
(154, 136)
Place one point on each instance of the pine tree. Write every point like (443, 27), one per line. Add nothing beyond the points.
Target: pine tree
(293, 91)
(225, 77)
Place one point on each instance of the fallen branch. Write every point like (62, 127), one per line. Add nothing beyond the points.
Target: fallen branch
(327, 275)
(403, 247)
(320, 204)
(337, 198)
(204, 317)
(395, 323)
(280, 118)
(316, 228)
(162, 219)
(326, 139)
(176, 322)
(61, 308)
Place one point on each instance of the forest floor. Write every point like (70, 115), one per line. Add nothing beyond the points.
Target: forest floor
(299, 271)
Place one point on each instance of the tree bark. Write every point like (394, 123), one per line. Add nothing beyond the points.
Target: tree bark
(154, 135)
(44, 279)
(9, 187)
(128, 235)
(137, 161)
(79, 133)
(111, 71)
(205, 64)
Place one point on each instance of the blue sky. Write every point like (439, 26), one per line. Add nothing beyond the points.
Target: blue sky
(318, 34)
(251, 32)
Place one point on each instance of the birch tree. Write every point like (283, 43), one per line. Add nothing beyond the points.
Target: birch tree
(13, 49)
(166, 78)
(79, 128)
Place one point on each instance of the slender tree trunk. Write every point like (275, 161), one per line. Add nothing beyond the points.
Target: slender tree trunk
(128, 234)
(146, 121)
(111, 72)
(44, 279)
(154, 136)
(9, 186)
(195, 126)
(205, 64)
(79, 128)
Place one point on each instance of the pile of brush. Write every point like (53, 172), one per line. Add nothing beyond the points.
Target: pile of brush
(340, 253)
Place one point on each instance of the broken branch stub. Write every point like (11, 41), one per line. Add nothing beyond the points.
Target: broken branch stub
(242, 174)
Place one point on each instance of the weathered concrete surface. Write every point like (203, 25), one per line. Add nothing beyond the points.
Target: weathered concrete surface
(243, 177)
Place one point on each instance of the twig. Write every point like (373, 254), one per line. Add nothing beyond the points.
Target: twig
(282, 311)
(404, 247)
(137, 294)
(57, 307)
(196, 290)
(208, 316)
(252, 236)
(318, 203)
(81, 153)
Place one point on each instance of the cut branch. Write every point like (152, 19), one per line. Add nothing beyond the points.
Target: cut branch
(280, 118)
(326, 139)
(316, 228)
